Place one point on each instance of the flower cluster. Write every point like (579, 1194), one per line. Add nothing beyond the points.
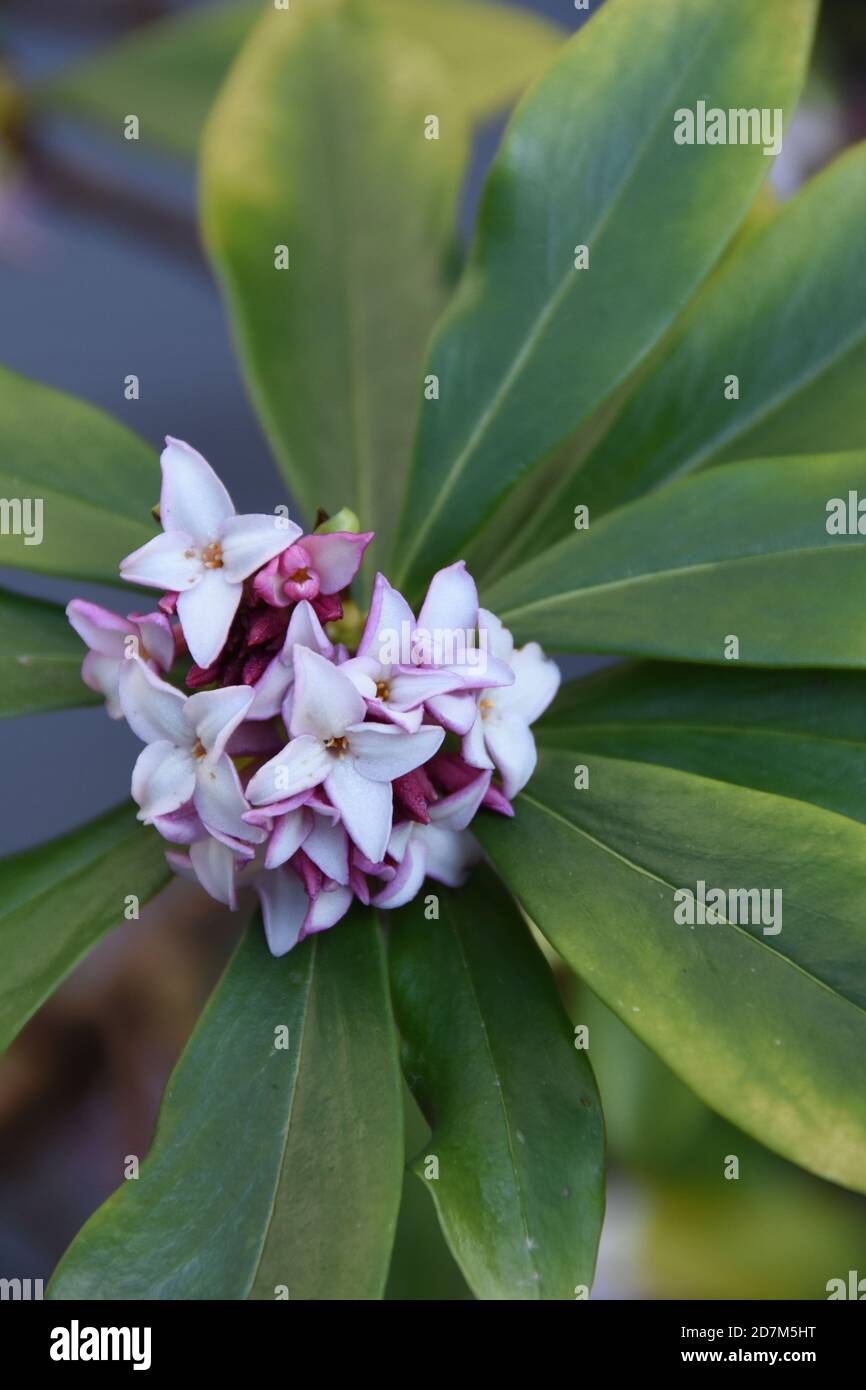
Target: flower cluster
(310, 773)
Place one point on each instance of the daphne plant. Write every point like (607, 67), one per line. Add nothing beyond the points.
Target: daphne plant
(629, 423)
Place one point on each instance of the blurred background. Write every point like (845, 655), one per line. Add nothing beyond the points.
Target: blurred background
(101, 275)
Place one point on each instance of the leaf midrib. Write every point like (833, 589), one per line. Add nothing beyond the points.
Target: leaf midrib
(500, 1092)
(550, 308)
(650, 576)
(663, 882)
(284, 1143)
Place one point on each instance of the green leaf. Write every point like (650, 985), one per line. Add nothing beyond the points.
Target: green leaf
(741, 550)
(517, 1125)
(787, 317)
(769, 1030)
(80, 485)
(59, 898)
(530, 345)
(169, 73)
(794, 733)
(273, 1166)
(40, 658)
(317, 145)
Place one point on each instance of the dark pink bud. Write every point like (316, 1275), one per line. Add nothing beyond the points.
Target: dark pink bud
(328, 608)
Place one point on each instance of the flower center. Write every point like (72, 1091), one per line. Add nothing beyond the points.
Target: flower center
(484, 707)
(339, 746)
(300, 576)
(212, 556)
(199, 750)
(383, 690)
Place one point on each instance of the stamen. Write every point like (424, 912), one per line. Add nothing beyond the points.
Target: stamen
(212, 556)
(383, 690)
(484, 706)
(199, 751)
(340, 746)
(300, 576)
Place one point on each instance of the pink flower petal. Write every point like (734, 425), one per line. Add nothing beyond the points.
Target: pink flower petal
(336, 557)
(284, 907)
(408, 878)
(451, 604)
(220, 801)
(214, 866)
(103, 631)
(454, 712)
(289, 833)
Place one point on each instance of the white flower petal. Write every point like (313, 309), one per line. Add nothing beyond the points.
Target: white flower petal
(451, 604)
(153, 709)
(454, 712)
(270, 690)
(410, 686)
(408, 878)
(305, 630)
(536, 682)
(193, 499)
(324, 701)
(450, 854)
(214, 866)
(500, 643)
(220, 801)
(330, 905)
(163, 779)
(390, 620)
(382, 752)
(474, 748)
(284, 906)
(366, 807)
(169, 561)
(213, 715)
(302, 764)
(454, 812)
(102, 674)
(289, 833)
(156, 638)
(328, 847)
(248, 542)
(512, 748)
(206, 613)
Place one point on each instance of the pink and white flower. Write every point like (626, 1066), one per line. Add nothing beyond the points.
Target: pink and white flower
(332, 746)
(314, 565)
(113, 640)
(206, 550)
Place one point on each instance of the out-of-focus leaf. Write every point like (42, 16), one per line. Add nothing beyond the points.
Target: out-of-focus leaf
(76, 482)
(737, 551)
(276, 1167)
(40, 658)
(169, 73)
(794, 733)
(58, 899)
(517, 1126)
(765, 1027)
(317, 145)
(531, 345)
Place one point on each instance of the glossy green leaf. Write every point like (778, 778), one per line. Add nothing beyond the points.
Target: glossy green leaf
(169, 73)
(517, 1125)
(794, 733)
(738, 551)
(59, 898)
(787, 317)
(317, 145)
(539, 510)
(81, 486)
(40, 658)
(531, 345)
(276, 1167)
(767, 1028)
